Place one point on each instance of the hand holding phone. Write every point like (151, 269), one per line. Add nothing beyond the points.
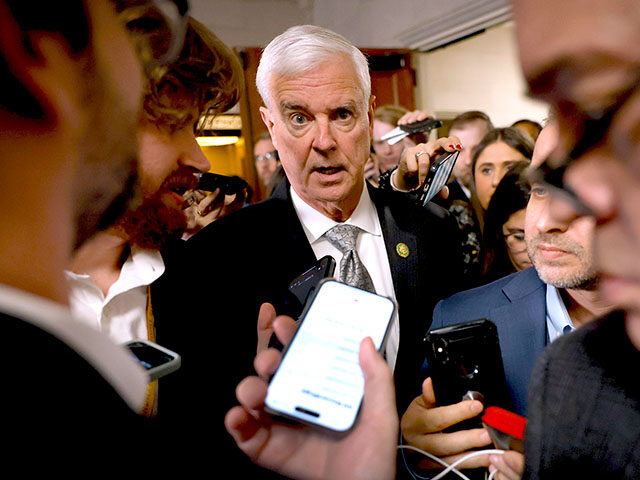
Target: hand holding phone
(466, 358)
(319, 381)
(438, 176)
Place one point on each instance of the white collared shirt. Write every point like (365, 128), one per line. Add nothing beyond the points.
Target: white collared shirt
(116, 364)
(370, 246)
(122, 314)
(557, 316)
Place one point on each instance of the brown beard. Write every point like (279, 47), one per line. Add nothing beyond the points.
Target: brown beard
(154, 223)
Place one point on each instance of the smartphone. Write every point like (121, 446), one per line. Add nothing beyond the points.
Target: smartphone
(304, 284)
(227, 185)
(437, 176)
(301, 288)
(158, 361)
(464, 362)
(319, 381)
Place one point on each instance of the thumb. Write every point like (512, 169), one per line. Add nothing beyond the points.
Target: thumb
(378, 379)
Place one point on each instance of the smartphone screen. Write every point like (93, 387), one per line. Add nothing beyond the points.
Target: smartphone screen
(319, 380)
(438, 176)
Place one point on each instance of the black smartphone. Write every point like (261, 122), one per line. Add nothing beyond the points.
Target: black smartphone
(437, 176)
(227, 185)
(304, 284)
(302, 287)
(158, 361)
(319, 380)
(465, 360)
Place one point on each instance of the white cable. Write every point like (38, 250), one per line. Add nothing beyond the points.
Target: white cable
(451, 468)
(492, 474)
(463, 459)
(432, 457)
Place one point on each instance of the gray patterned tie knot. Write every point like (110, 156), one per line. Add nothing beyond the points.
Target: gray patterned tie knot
(352, 270)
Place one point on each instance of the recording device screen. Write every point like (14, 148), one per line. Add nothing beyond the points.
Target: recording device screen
(437, 177)
(303, 285)
(319, 380)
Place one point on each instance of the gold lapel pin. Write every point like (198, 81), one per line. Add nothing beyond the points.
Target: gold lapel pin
(402, 249)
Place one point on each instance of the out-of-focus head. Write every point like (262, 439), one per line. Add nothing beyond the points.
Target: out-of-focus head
(470, 127)
(265, 157)
(587, 70)
(505, 250)
(545, 145)
(498, 151)
(88, 84)
(317, 89)
(385, 119)
(205, 79)
(528, 127)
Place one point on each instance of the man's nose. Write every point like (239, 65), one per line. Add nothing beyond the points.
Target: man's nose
(324, 139)
(193, 156)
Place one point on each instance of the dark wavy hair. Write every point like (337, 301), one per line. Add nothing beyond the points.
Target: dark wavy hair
(511, 136)
(511, 195)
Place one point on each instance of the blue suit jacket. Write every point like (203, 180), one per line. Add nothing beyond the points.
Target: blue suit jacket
(517, 305)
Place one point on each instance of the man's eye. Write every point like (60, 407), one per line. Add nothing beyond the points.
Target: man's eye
(298, 119)
(539, 190)
(344, 114)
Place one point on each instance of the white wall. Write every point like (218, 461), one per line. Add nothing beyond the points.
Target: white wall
(251, 23)
(480, 73)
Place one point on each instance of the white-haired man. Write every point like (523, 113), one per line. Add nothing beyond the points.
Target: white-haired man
(319, 111)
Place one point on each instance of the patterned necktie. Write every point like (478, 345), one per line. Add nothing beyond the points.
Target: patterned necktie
(352, 270)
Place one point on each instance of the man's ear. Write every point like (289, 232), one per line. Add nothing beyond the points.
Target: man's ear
(45, 68)
(268, 121)
(372, 109)
(57, 75)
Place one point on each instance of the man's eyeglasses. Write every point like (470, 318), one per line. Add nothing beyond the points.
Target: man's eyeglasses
(267, 156)
(158, 26)
(595, 128)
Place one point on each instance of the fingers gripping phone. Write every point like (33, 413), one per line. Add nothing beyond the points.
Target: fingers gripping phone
(467, 358)
(437, 176)
(158, 361)
(319, 381)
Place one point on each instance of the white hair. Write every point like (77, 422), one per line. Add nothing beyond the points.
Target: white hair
(302, 48)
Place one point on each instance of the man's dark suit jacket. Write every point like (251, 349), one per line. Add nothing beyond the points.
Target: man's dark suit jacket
(59, 415)
(206, 304)
(517, 305)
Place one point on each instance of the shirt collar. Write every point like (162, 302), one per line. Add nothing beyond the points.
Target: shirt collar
(557, 316)
(316, 224)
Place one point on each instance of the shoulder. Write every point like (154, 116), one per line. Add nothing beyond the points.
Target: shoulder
(492, 295)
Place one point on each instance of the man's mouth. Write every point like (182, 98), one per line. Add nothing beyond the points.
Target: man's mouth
(328, 170)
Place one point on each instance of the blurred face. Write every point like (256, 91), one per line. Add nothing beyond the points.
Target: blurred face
(470, 135)
(582, 68)
(495, 160)
(388, 155)
(265, 159)
(168, 161)
(320, 123)
(513, 232)
(106, 176)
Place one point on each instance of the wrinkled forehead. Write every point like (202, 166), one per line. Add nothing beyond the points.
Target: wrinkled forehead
(561, 41)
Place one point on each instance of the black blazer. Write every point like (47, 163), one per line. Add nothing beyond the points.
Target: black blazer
(206, 304)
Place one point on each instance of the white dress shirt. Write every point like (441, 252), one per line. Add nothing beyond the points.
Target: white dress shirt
(122, 314)
(116, 365)
(370, 246)
(558, 319)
